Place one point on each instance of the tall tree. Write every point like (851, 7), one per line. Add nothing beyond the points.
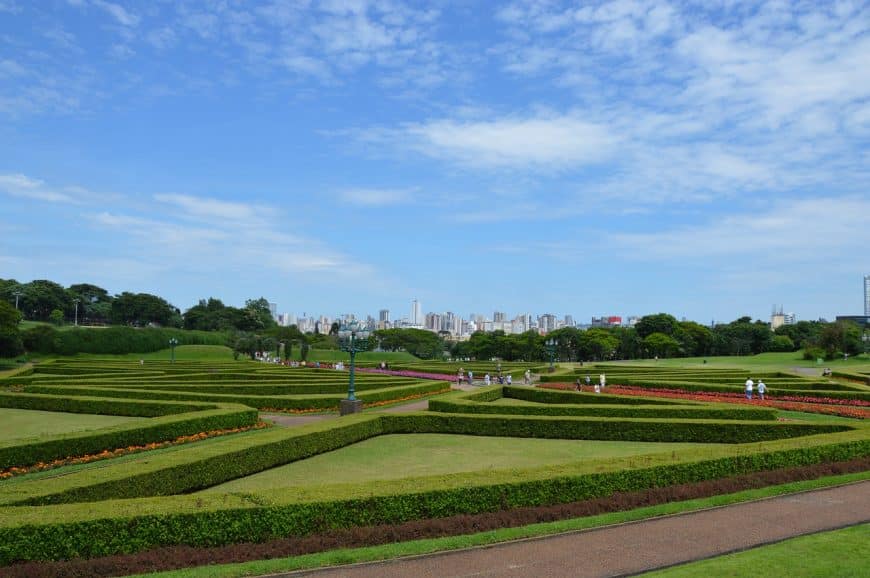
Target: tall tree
(10, 337)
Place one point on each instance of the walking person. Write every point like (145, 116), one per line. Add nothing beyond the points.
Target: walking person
(486, 380)
(510, 379)
(602, 379)
(749, 384)
(578, 385)
(588, 380)
(761, 389)
(527, 377)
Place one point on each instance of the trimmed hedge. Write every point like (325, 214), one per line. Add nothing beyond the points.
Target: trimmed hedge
(267, 516)
(19, 453)
(301, 402)
(97, 405)
(686, 431)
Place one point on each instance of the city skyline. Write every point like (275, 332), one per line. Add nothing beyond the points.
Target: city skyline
(695, 158)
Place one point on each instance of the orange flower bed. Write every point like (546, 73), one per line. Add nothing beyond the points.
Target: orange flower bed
(106, 454)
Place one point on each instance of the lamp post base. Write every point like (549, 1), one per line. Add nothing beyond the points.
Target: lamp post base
(348, 406)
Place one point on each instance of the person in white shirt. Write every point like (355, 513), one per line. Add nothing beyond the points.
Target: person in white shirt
(602, 380)
(510, 379)
(749, 384)
(761, 389)
(486, 379)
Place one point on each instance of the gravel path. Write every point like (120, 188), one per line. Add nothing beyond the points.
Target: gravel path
(640, 546)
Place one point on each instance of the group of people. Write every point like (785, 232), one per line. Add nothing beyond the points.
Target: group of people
(488, 379)
(760, 387)
(599, 385)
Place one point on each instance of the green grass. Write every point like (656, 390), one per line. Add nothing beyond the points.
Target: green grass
(841, 553)
(23, 423)
(428, 546)
(393, 457)
(331, 355)
(767, 361)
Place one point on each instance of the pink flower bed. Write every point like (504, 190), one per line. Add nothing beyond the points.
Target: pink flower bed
(408, 373)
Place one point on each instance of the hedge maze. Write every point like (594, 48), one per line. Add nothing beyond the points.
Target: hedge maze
(154, 499)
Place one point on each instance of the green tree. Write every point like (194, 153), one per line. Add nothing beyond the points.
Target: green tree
(141, 309)
(10, 337)
(597, 344)
(658, 323)
(661, 345)
(40, 297)
(56, 317)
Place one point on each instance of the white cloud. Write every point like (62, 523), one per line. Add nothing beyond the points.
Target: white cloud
(544, 141)
(208, 208)
(375, 197)
(802, 231)
(118, 12)
(18, 185)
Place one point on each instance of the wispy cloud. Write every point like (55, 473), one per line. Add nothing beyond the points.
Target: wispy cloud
(22, 186)
(512, 142)
(801, 231)
(376, 197)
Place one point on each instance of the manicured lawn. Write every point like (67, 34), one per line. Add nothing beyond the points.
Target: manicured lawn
(25, 423)
(410, 455)
(841, 553)
(766, 361)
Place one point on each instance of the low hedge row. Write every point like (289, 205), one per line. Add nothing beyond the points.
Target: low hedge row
(771, 391)
(685, 431)
(19, 453)
(271, 515)
(97, 405)
(675, 412)
(859, 377)
(198, 471)
(555, 396)
(300, 402)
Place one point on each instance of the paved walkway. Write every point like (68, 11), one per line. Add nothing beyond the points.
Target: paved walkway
(639, 546)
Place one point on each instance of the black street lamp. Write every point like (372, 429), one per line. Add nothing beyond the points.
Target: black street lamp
(352, 339)
(550, 346)
(172, 343)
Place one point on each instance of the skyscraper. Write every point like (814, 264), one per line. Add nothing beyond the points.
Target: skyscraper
(416, 313)
(867, 295)
(384, 315)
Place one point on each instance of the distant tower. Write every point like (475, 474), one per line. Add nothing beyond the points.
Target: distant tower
(416, 313)
(867, 295)
(384, 315)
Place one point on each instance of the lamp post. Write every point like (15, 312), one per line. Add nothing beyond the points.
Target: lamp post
(352, 339)
(76, 301)
(17, 295)
(550, 346)
(172, 343)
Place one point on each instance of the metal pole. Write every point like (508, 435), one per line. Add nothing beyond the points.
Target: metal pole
(76, 301)
(17, 295)
(351, 390)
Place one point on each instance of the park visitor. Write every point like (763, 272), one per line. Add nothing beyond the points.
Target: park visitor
(597, 388)
(749, 384)
(486, 380)
(588, 380)
(509, 379)
(578, 385)
(602, 380)
(470, 377)
(761, 389)
(527, 377)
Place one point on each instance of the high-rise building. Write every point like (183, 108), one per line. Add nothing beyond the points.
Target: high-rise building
(273, 309)
(384, 315)
(867, 295)
(416, 313)
(499, 317)
(569, 321)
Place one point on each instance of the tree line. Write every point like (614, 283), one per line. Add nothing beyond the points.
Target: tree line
(251, 329)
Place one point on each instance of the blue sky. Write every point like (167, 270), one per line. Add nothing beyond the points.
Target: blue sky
(708, 159)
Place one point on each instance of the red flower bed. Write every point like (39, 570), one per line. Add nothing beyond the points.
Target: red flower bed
(106, 454)
(823, 405)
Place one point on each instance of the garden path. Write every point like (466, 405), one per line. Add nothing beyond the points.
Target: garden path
(638, 546)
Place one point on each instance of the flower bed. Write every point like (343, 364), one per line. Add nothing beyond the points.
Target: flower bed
(106, 454)
(854, 408)
(409, 373)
